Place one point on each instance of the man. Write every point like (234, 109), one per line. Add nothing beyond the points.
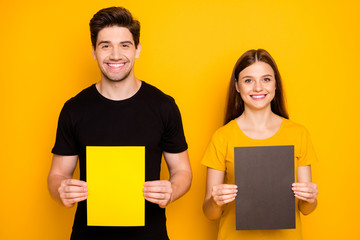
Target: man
(120, 110)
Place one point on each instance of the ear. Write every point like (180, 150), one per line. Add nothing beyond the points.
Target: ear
(93, 53)
(138, 50)
(237, 86)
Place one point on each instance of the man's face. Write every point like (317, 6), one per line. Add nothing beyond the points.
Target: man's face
(116, 53)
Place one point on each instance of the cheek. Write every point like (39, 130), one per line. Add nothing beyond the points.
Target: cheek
(244, 89)
(271, 88)
(243, 92)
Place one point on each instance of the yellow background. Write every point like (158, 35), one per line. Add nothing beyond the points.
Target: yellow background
(188, 51)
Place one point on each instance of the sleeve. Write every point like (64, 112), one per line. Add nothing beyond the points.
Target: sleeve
(214, 156)
(173, 139)
(65, 143)
(307, 152)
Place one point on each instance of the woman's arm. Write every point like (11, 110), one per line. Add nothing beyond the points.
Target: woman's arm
(217, 193)
(305, 190)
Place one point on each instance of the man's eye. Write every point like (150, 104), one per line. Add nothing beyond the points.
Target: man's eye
(105, 46)
(125, 45)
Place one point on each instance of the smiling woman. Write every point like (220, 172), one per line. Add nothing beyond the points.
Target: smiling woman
(256, 85)
(256, 116)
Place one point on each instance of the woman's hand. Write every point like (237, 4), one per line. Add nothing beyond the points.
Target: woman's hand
(306, 191)
(223, 193)
(217, 193)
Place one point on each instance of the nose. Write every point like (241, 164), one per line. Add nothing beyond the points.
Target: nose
(115, 54)
(257, 86)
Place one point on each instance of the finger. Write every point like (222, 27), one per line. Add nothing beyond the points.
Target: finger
(311, 200)
(229, 200)
(157, 183)
(74, 182)
(158, 189)
(225, 191)
(157, 195)
(302, 189)
(304, 194)
(161, 203)
(67, 196)
(157, 198)
(300, 185)
(308, 196)
(305, 191)
(224, 201)
(226, 186)
(224, 196)
(305, 184)
(74, 200)
(74, 189)
(312, 187)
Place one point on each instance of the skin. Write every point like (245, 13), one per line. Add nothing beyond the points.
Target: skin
(256, 86)
(115, 54)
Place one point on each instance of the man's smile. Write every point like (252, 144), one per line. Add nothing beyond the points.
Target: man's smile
(116, 66)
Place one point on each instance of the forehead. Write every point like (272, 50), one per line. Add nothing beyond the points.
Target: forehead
(257, 69)
(114, 34)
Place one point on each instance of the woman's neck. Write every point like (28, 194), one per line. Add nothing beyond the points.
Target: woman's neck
(260, 124)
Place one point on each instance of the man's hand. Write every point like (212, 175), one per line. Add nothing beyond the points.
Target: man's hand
(72, 191)
(159, 192)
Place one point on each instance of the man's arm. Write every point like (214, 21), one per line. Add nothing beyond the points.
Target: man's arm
(62, 187)
(305, 190)
(163, 192)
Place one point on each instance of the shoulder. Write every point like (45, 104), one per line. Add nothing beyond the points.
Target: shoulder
(158, 101)
(294, 128)
(83, 98)
(155, 94)
(225, 132)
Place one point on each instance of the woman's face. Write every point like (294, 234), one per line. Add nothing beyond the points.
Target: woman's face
(256, 85)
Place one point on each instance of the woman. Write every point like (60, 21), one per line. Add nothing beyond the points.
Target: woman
(256, 116)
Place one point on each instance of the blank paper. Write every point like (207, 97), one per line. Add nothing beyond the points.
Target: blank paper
(264, 176)
(115, 177)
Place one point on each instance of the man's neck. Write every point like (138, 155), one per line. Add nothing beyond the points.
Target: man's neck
(120, 90)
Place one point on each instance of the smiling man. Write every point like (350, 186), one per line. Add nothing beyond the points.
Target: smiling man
(120, 110)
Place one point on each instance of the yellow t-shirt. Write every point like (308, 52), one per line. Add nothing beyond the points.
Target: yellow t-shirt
(219, 155)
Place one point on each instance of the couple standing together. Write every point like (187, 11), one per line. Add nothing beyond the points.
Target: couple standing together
(121, 110)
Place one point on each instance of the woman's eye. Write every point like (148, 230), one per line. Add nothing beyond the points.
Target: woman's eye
(247, 80)
(267, 79)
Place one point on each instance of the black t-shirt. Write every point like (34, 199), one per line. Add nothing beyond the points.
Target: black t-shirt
(150, 118)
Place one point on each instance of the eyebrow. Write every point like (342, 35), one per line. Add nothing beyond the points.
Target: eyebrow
(266, 75)
(127, 42)
(103, 42)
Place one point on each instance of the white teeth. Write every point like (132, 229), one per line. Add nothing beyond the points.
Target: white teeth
(116, 65)
(258, 96)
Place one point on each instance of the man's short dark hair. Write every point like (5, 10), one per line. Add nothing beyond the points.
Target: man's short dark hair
(114, 16)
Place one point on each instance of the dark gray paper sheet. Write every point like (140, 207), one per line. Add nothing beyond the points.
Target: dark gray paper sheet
(264, 176)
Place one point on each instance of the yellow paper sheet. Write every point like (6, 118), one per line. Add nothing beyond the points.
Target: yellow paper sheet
(115, 177)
